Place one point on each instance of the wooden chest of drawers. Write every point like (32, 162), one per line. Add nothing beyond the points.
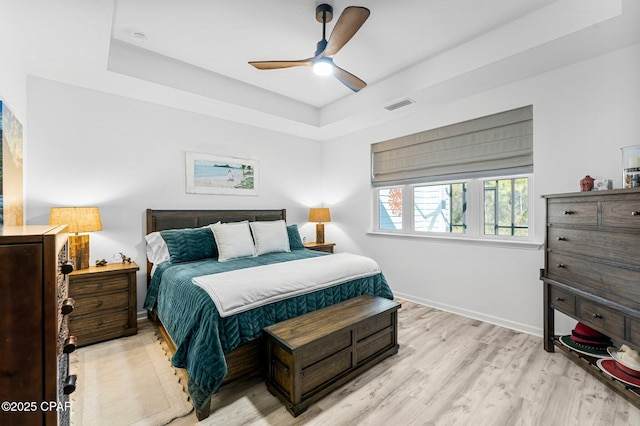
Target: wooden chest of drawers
(34, 358)
(106, 302)
(592, 267)
(311, 355)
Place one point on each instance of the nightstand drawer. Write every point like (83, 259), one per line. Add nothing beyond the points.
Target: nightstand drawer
(101, 303)
(91, 285)
(98, 324)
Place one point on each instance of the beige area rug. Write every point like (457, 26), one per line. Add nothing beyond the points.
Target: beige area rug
(127, 381)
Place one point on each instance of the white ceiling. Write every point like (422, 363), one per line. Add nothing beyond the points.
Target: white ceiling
(196, 53)
(425, 50)
(222, 36)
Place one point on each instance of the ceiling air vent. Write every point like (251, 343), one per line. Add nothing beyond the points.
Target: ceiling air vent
(400, 104)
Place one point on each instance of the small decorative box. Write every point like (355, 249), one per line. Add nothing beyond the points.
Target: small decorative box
(602, 184)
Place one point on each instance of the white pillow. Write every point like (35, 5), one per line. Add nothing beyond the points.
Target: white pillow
(270, 236)
(233, 240)
(157, 250)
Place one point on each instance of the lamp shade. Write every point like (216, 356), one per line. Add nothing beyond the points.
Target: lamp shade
(319, 215)
(78, 219)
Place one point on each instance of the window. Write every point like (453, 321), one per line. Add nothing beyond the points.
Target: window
(506, 207)
(439, 208)
(390, 208)
(474, 208)
(470, 179)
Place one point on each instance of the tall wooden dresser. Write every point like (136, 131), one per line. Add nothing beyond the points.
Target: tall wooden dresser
(592, 270)
(34, 366)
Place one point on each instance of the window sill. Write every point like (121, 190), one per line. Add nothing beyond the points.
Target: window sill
(487, 242)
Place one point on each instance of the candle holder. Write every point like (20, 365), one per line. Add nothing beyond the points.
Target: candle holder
(631, 166)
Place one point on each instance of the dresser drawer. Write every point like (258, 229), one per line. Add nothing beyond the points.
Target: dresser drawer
(562, 300)
(609, 282)
(100, 303)
(617, 247)
(623, 213)
(633, 328)
(608, 321)
(90, 285)
(574, 213)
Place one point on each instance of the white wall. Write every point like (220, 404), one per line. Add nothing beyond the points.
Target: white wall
(87, 147)
(583, 115)
(91, 148)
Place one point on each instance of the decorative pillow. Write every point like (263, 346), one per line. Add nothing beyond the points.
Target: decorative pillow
(189, 244)
(233, 240)
(270, 236)
(295, 242)
(157, 250)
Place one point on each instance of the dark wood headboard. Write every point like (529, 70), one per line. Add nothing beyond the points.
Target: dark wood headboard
(160, 220)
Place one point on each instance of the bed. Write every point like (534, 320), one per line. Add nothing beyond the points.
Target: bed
(212, 348)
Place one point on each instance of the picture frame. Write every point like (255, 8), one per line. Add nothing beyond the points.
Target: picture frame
(214, 174)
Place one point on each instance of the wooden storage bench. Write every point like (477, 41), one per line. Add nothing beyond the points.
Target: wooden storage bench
(311, 355)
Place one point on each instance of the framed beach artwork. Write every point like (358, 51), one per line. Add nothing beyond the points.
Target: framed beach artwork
(213, 174)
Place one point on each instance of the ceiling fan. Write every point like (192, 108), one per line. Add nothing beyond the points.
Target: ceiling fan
(322, 61)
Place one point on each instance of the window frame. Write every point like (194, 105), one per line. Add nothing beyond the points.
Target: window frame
(474, 213)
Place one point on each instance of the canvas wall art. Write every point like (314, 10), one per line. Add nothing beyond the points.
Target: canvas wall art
(212, 174)
(11, 173)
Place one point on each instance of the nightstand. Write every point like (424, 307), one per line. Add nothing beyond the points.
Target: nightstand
(105, 302)
(325, 247)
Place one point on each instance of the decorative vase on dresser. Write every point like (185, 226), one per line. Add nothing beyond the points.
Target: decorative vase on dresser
(34, 359)
(592, 270)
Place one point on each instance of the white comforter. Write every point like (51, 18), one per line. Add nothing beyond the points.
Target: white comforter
(244, 289)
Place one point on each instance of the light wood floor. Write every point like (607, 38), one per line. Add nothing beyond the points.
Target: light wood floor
(450, 370)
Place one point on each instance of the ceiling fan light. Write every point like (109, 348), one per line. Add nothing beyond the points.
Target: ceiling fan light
(321, 67)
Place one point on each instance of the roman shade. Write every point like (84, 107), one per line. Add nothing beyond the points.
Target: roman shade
(493, 145)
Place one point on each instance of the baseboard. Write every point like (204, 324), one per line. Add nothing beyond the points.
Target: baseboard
(524, 328)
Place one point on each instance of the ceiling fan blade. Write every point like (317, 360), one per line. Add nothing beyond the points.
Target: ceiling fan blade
(348, 79)
(348, 24)
(274, 65)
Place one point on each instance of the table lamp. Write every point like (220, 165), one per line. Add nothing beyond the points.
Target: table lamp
(77, 219)
(319, 215)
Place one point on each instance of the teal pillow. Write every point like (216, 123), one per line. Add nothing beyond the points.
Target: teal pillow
(189, 244)
(295, 242)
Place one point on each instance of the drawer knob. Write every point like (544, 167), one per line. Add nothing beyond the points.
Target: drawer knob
(67, 306)
(561, 239)
(66, 267)
(597, 316)
(560, 299)
(99, 285)
(560, 265)
(567, 212)
(69, 385)
(100, 302)
(100, 322)
(70, 344)
(635, 213)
